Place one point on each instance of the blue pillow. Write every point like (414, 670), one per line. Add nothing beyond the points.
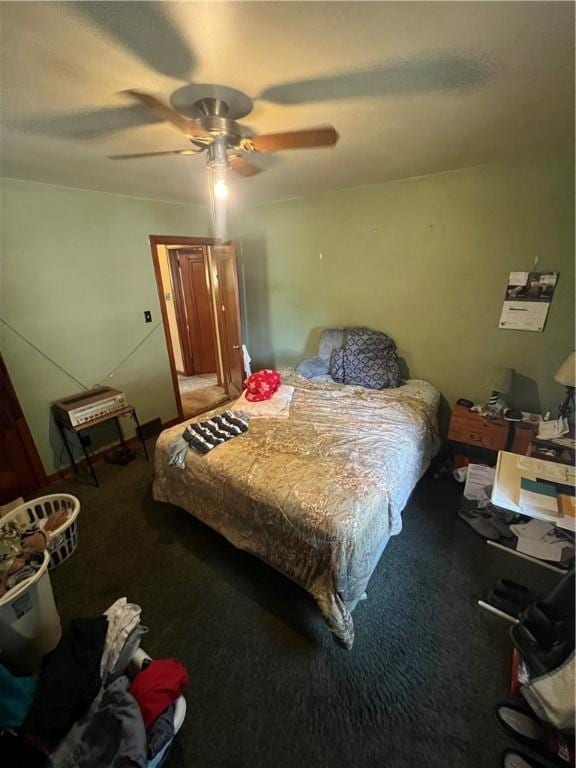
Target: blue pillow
(312, 367)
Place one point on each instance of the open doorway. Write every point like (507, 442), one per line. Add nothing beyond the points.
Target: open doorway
(197, 287)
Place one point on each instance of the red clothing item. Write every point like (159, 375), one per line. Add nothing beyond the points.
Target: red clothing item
(157, 686)
(262, 385)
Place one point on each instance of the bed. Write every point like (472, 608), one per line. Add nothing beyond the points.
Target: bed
(319, 494)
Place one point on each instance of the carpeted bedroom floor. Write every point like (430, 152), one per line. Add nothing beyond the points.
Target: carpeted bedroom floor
(200, 393)
(268, 686)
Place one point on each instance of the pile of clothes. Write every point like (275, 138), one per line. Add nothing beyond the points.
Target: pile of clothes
(22, 548)
(264, 396)
(83, 711)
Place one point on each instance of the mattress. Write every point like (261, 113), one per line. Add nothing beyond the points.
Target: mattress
(316, 495)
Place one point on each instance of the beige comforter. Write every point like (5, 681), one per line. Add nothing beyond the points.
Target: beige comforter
(316, 495)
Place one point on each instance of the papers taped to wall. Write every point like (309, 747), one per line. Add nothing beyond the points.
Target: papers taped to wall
(527, 300)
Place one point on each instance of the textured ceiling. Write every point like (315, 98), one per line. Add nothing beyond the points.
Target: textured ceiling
(412, 87)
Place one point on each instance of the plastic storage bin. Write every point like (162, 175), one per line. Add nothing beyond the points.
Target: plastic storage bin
(61, 542)
(29, 622)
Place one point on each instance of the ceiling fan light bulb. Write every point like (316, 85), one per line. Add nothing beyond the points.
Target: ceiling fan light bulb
(220, 189)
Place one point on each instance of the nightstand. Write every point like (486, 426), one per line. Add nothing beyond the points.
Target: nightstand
(475, 437)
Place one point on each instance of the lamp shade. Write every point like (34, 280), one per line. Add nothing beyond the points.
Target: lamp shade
(502, 379)
(566, 374)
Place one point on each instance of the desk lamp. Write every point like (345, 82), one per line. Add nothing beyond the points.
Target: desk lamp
(566, 375)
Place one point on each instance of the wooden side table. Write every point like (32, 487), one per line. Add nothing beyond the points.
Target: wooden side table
(522, 434)
(127, 410)
(474, 436)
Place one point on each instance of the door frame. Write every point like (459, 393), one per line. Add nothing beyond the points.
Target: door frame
(21, 426)
(180, 312)
(223, 317)
(173, 240)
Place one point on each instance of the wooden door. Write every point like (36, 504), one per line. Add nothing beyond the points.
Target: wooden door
(21, 471)
(228, 317)
(193, 306)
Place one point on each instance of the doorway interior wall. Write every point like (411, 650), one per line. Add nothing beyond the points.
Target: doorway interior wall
(198, 291)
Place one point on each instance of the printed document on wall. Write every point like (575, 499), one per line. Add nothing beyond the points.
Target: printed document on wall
(527, 300)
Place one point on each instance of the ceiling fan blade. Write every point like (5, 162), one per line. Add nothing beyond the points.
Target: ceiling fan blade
(243, 167)
(307, 139)
(190, 128)
(155, 154)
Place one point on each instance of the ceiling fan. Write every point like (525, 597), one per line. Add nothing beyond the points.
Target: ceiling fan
(212, 130)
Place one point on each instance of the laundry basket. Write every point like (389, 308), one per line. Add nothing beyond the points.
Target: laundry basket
(63, 540)
(29, 622)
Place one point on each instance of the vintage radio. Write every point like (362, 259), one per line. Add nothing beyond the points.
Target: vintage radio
(87, 406)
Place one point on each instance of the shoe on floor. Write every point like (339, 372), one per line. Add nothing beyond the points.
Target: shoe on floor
(511, 758)
(504, 602)
(521, 723)
(480, 523)
(516, 592)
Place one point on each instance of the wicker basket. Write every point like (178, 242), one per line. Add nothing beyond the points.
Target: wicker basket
(63, 540)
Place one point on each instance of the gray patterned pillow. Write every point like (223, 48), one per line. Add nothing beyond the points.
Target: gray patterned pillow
(370, 360)
(337, 365)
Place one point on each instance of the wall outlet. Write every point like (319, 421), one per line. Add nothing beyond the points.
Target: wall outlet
(147, 316)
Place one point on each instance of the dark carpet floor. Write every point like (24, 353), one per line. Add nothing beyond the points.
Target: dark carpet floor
(269, 687)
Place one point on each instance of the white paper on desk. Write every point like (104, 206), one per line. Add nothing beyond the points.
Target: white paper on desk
(533, 529)
(479, 482)
(548, 430)
(543, 550)
(547, 470)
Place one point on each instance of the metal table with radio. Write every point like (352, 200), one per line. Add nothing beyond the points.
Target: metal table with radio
(88, 409)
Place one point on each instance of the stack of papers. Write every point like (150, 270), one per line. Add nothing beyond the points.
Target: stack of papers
(538, 497)
(548, 430)
(540, 539)
(479, 482)
(547, 489)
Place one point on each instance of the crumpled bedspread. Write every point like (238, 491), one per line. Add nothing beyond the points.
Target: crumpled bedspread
(317, 495)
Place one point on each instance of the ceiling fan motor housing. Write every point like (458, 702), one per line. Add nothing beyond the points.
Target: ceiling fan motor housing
(211, 114)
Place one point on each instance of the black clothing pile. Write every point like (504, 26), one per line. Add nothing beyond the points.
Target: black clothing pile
(69, 681)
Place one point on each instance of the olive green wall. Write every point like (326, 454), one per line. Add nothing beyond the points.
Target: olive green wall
(425, 260)
(77, 276)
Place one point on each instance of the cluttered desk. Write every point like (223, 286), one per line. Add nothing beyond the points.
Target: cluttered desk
(540, 489)
(544, 492)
